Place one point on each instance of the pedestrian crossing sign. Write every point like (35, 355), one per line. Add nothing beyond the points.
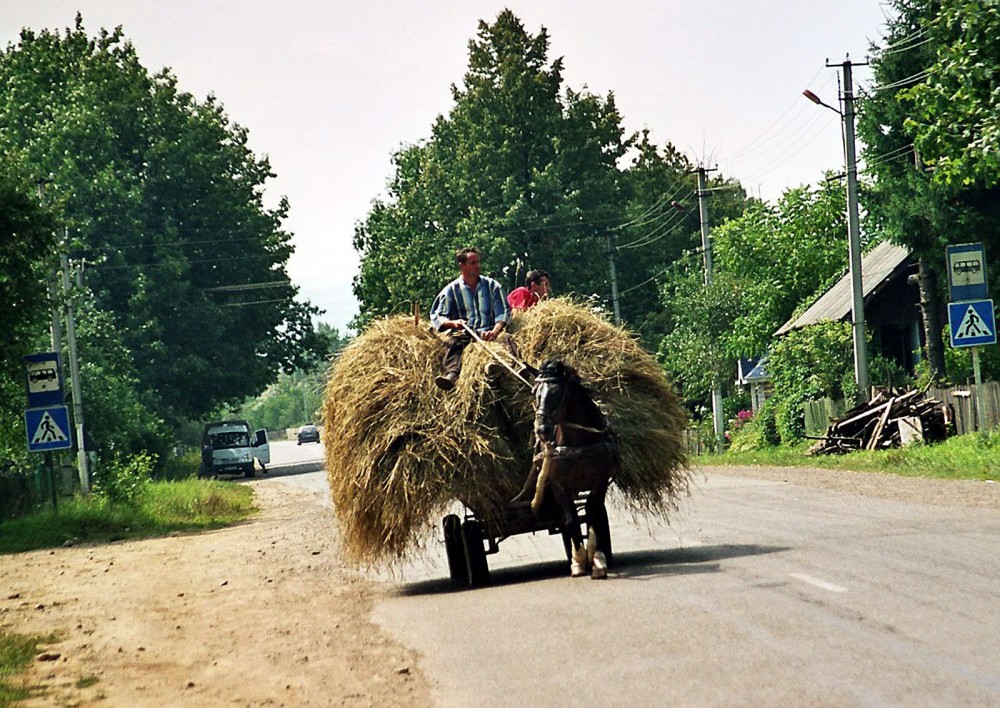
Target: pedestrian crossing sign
(972, 323)
(48, 429)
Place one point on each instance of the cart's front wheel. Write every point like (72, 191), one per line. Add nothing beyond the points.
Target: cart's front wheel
(454, 548)
(475, 553)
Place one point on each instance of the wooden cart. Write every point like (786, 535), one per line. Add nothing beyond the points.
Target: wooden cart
(469, 540)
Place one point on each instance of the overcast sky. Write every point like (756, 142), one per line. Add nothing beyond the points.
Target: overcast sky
(329, 89)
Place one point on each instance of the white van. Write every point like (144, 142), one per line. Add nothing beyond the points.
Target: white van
(234, 448)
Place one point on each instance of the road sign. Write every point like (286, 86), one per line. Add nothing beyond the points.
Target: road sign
(48, 428)
(967, 272)
(44, 380)
(972, 323)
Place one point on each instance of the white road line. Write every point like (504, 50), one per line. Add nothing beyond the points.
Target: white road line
(818, 583)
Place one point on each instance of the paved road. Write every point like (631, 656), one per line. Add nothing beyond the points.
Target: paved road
(758, 593)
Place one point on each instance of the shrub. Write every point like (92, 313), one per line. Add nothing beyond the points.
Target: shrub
(124, 480)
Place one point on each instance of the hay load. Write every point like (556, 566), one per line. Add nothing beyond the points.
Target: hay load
(399, 451)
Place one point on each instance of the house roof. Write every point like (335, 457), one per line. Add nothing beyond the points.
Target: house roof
(877, 266)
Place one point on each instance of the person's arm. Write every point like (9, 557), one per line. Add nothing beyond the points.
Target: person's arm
(500, 309)
(445, 313)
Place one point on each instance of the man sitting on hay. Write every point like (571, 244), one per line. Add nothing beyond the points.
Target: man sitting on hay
(470, 302)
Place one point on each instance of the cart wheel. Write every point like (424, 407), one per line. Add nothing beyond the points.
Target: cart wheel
(454, 548)
(475, 553)
(602, 527)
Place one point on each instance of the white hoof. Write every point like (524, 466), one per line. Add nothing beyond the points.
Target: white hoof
(600, 569)
(578, 565)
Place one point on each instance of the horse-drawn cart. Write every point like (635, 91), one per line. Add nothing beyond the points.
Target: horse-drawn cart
(470, 538)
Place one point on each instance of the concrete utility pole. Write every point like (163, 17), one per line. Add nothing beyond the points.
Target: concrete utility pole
(853, 226)
(74, 368)
(718, 422)
(56, 323)
(614, 279)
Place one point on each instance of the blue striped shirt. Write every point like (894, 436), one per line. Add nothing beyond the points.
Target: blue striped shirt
(481, 308)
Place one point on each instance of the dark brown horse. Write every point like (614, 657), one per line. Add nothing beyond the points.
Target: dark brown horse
(575, 451)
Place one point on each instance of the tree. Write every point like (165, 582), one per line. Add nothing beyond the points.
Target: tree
(955, 116)
(523, 171)
(767, 263)
(902, 198)
(164, 199)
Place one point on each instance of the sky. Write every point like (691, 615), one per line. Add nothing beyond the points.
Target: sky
(330, 89)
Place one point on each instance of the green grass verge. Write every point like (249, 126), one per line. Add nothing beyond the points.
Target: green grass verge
(16, 653)
(163, 507)
(975, 456)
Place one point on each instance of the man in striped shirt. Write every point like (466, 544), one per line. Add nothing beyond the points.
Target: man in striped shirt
(472, 299)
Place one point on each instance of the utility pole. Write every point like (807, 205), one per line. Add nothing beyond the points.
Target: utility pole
(614, 279)
(854, 238)
(853, 224)
(74, 368)
(718, 421)
(55, 327)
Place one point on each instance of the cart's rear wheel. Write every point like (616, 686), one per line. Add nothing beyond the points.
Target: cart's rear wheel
(475, 553)
(454, 548)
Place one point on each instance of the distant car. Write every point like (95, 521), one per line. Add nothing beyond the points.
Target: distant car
(308, 433)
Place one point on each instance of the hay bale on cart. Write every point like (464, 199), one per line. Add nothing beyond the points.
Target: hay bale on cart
(399, 451)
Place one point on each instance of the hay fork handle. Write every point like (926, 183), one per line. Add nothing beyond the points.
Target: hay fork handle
(500, 361)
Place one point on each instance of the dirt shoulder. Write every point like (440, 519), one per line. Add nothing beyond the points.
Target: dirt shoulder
(261, 613)
(881, 485)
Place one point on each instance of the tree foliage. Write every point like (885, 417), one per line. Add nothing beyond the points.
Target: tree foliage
(904, 200)
(955, 115)
(766, 262)
(164, 200)
(537, 176)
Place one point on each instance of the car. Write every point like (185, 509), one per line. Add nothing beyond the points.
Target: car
(308, 433)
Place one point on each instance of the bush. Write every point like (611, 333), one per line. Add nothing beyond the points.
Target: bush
(125, 480)
(757, 432)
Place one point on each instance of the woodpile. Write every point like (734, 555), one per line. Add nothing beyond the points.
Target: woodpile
(893, 418)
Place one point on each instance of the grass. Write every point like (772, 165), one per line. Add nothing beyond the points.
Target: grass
(16, 653)
(163, 507)
(974, 456)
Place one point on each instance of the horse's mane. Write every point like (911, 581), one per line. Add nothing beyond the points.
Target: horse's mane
(558, 369)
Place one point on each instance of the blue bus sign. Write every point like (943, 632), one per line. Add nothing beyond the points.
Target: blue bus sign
(44, 380)
(967, 272)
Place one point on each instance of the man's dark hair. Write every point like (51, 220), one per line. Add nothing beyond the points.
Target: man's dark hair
(462, 254)
(534, 276)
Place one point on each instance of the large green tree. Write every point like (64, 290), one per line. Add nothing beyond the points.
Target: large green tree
(164, 200)
(520, 167)
(956, 108)
(903, 197)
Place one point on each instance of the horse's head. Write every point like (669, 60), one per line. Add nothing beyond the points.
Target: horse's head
(550, 390)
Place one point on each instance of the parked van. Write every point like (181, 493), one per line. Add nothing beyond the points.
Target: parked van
(234, 448)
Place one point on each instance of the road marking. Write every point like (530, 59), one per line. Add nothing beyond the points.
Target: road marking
(818, 583)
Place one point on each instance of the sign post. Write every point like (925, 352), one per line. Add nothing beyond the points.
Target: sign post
(973, 324)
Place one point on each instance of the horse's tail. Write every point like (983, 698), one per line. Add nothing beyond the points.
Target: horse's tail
(543, 475)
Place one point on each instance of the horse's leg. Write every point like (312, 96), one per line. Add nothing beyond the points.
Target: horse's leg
(596, 541)
(528, 491)
(571, 525)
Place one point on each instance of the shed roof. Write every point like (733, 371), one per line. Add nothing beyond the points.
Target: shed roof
(877, 266)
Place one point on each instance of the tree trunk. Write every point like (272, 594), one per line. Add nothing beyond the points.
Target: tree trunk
(930, 308)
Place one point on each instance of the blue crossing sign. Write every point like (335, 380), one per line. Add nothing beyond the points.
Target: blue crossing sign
(972, 323)
(48, 429)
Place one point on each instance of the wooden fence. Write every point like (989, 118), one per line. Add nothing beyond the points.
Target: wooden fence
(962, 399)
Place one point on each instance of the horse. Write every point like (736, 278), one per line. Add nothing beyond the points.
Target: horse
(576, 451)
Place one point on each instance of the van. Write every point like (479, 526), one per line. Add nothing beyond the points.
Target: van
(234, 448)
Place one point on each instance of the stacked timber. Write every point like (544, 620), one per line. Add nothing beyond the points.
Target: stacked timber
(892, 418)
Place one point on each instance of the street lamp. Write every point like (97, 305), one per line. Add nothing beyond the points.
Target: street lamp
(853, 230)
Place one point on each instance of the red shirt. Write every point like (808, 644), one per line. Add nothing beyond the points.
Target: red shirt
(521, 299)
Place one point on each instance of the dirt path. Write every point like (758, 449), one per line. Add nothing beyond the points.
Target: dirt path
(257, 614)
